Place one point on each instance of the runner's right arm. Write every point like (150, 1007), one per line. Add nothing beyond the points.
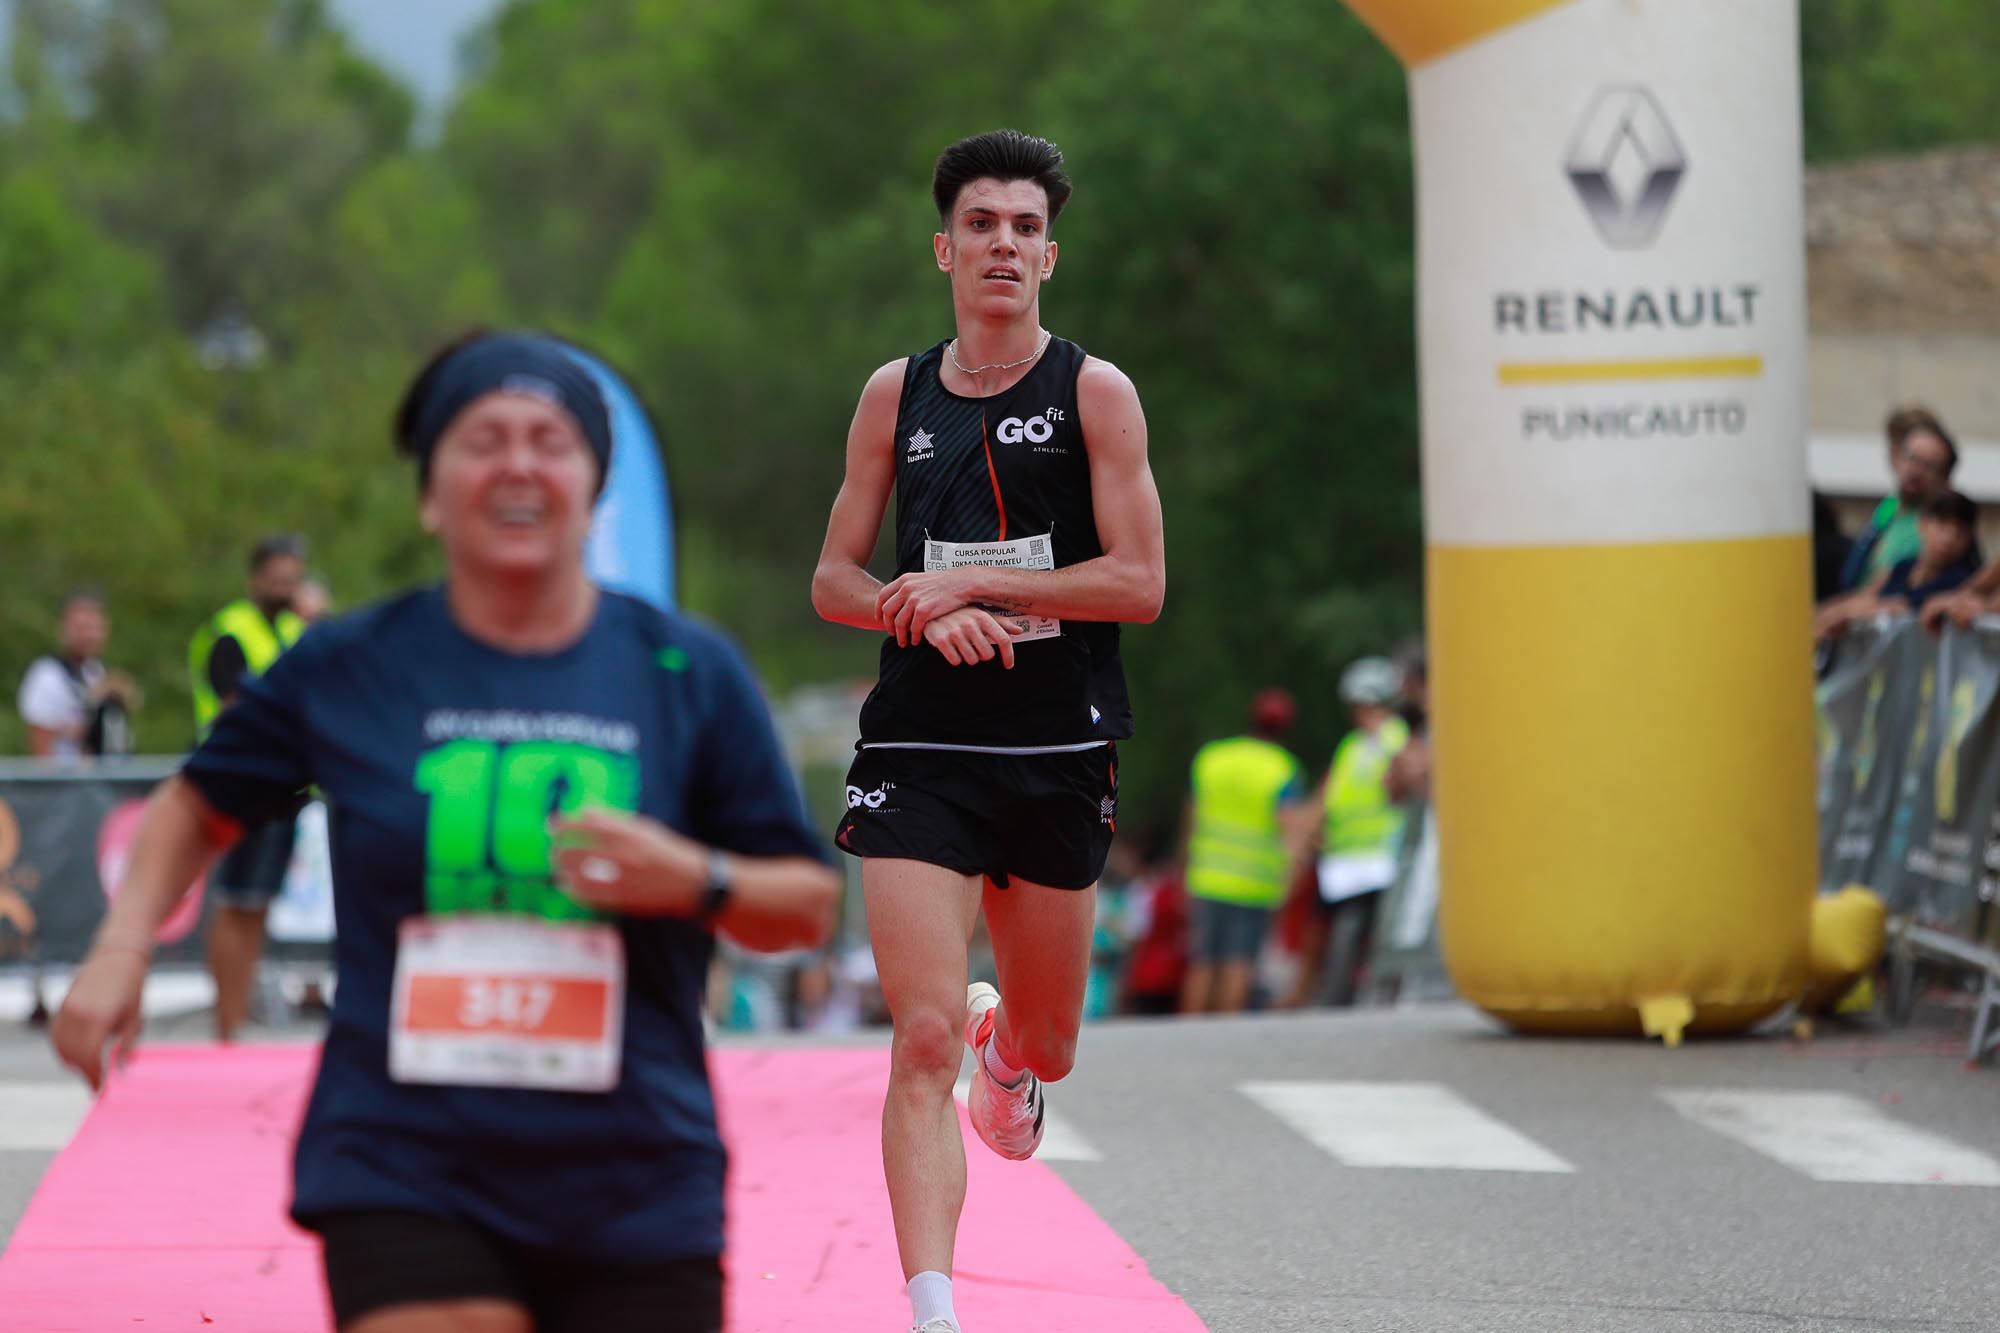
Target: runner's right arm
(180, 835)
(843, 590)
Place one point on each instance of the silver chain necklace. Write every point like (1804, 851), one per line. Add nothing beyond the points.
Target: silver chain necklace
(952, 352)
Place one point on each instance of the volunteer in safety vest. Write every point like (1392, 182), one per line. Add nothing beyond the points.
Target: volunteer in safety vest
(1248, 821)
(1357, 857)
(235, 645)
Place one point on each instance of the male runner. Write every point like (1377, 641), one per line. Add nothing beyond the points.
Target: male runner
(1027, 527)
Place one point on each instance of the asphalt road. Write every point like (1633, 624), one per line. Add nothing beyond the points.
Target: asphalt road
(1414, 1169)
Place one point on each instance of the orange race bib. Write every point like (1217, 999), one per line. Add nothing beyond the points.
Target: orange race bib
(507, 1002)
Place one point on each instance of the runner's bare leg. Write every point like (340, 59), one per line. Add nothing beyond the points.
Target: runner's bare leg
(920, 921)
(1041, 946)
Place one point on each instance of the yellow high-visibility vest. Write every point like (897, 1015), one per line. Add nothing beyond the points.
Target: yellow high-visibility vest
(260, 640)
(1237, 851)
(1360, 817)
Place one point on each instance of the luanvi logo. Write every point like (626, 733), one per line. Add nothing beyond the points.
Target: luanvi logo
(1625, 164)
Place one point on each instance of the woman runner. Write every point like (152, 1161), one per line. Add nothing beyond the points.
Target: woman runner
(545, 797)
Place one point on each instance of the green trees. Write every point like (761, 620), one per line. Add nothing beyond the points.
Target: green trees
(729, 198)
(1239, 243)
(1884, 78)
(166, 166)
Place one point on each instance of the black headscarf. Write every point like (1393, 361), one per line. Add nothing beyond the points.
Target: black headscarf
(502, 363)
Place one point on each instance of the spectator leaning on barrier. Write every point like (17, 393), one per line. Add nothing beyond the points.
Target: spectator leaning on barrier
(1943, 564)
(235, 645)
(1248, 821)
(1358, 846)
(1923, 458)
(1979, 597)
(71, 702)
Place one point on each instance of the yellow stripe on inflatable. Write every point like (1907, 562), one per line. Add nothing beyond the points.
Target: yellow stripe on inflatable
(1618, 372)
(1625, 761)
(1420, 30)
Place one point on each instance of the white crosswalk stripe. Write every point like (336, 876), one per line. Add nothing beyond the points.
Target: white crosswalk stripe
(1824, 1136)
(41, 1117)
(1418, 1125)
(1832, 1136)
(1061, 1141)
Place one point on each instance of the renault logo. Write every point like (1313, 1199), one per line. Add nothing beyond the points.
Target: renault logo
(1625, 164)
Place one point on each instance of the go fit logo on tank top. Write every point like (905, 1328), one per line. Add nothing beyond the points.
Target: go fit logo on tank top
(1035, 430)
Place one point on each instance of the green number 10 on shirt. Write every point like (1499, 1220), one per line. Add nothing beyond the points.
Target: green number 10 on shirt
(487, 845)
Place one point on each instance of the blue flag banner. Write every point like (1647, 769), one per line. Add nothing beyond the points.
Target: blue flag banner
(631, 544)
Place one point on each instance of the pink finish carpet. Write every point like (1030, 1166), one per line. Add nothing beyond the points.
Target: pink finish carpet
(166, 1212)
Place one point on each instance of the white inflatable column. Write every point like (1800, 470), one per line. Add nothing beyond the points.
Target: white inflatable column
(1612, 353)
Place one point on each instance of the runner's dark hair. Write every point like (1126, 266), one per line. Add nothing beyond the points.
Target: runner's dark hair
(1002, 155)
(405, 426)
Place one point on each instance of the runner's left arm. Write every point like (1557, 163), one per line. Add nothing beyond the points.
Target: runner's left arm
(1127, 583)
(775, 902)
(744, 805)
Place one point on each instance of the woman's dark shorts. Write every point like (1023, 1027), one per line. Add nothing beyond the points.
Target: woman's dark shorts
(378, 1260)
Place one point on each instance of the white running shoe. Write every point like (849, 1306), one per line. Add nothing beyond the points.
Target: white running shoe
(937, 1326)
(1008, 1120)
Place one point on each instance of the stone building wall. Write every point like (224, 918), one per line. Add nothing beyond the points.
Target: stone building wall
(1903, 282)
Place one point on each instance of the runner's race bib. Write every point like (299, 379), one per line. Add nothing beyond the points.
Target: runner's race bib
(507, 1002)
(1022, 553)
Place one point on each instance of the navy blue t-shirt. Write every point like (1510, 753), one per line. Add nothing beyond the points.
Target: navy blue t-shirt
(440, 760)
(1950, 579)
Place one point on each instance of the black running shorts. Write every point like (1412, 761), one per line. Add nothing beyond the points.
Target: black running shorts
(376, 1261)
(251, 874)
(1044, 818)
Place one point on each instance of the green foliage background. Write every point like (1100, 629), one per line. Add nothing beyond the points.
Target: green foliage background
(729, 199)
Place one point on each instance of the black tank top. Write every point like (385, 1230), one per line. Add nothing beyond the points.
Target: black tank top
(998, 469)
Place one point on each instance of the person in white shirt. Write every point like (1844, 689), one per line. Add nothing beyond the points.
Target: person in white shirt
(71, 703)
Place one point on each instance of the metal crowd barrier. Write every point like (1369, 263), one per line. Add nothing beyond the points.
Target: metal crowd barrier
(1909, 942)
(1909, 798)
(65, 831)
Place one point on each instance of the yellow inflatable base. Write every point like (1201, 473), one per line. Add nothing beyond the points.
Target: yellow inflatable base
(1849, 933)
(1668, 1017)
(1625, 778)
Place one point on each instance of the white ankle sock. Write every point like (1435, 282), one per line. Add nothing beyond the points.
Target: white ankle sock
(930, 1298)
(1004, 1074)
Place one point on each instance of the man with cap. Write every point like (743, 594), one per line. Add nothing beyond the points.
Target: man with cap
(1248, 820)
(1357, 858)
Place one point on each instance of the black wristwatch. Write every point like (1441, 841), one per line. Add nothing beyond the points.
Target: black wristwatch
(715, 892)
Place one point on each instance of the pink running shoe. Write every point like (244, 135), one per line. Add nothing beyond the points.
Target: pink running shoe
(1009, 1120)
